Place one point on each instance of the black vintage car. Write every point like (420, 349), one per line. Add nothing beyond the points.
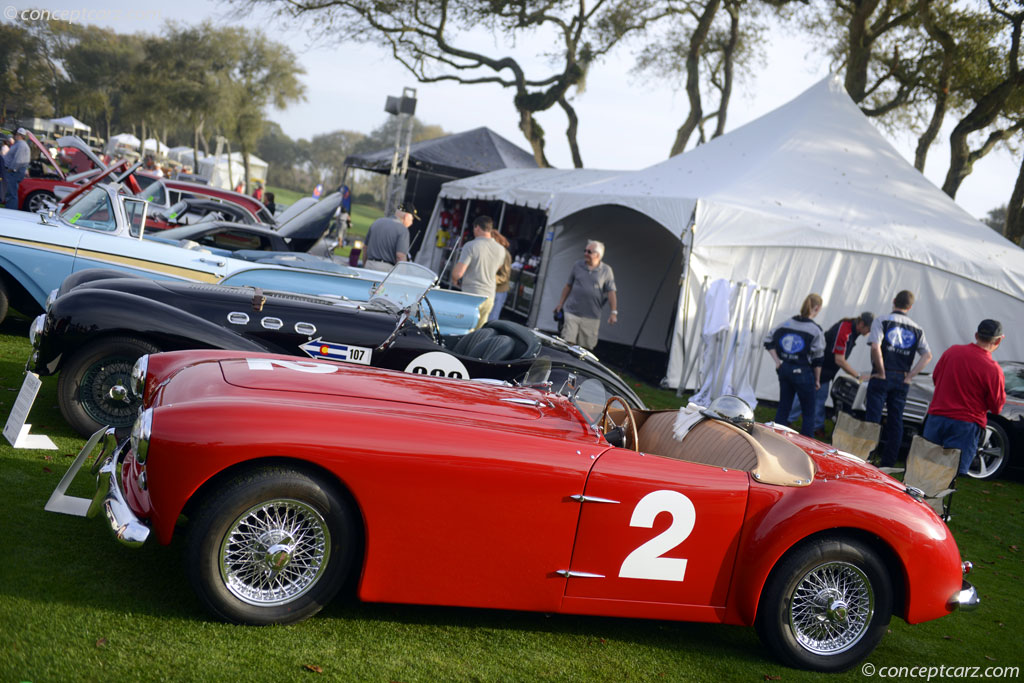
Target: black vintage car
(99, 323)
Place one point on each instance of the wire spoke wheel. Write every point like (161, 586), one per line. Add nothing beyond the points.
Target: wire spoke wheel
(94, 392)
(831, 608)
(274, 552)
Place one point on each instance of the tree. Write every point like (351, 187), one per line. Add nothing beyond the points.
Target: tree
(23, 72)
(262, 73)
(998, 105)
(1013, 226)
(100, 66)
(703, 43)
(429, 38)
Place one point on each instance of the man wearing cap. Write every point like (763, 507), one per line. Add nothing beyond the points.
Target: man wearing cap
(894, 340)
(478, 265)
(15, 165)
(387, 241)
(969, 384)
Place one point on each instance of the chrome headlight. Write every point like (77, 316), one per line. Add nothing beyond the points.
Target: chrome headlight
(51, 297)
(137, 381)
(35, 330)
(141, 431)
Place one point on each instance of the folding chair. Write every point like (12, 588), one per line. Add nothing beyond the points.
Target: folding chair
(932, 469)
(854, 436)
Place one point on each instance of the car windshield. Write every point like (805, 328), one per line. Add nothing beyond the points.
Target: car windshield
(92, 210)
(155, 193)
(403, 287)
(1014, 380)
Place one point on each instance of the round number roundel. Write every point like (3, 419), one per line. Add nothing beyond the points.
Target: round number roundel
(792, 343)
(438, 364)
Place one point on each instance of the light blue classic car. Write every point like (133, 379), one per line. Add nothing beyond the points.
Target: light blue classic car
(102, 228)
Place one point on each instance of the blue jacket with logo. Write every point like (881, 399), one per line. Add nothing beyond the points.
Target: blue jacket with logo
(798, 340)
(901, 338)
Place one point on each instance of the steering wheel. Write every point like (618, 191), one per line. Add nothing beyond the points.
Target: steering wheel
(435, 329)
(630, 420)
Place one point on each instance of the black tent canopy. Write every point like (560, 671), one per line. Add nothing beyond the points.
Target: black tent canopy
(434, 162)
(453, 156)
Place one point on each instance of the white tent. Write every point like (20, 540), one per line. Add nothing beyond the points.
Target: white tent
(70, 123)
(808, 198)
(121, 141)
(215, 169)
(154, 145)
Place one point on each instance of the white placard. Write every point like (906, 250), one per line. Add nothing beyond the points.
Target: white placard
(16, 431)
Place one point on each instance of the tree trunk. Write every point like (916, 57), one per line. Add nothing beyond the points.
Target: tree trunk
(1013, 229)
(985, 111)
(700, 35)
(534, 135)
(728, 55)
(924, 142)
(570, 132)
(858, 55)
(245, 167)
(196, 133)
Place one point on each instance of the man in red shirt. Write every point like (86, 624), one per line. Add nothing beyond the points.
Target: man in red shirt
(968, 386)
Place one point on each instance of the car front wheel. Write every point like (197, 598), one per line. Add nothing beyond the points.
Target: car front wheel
(272, 546)
(826, 605)
(993, 452)
(85, 382)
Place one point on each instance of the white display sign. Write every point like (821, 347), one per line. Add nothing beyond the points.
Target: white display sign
(16, 431)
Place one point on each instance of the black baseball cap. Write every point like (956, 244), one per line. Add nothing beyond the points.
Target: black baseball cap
(990, 328)
(409, 208)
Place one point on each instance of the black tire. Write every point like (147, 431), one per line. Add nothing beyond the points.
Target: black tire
(234, 578)
(5, 300)
(993, 452)
(826, 605)
(85, 382)
(37, 201)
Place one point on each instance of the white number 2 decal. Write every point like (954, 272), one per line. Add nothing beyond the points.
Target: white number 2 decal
(646, 562)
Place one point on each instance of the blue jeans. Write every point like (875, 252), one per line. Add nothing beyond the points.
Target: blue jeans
(13, 179)
(819, 407)
(950, 433)
(892, 393)
(796, 380)
(499, 303)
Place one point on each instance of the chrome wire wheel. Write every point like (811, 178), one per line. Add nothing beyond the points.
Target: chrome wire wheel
(831, 608)
(274, 552)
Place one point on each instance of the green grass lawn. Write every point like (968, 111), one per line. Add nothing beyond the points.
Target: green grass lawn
(75, 605)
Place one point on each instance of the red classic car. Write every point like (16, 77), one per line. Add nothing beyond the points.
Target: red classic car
(297, 476)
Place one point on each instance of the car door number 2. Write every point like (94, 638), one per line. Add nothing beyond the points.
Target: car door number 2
(646, 562)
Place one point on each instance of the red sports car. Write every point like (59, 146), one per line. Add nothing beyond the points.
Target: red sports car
(298, 476)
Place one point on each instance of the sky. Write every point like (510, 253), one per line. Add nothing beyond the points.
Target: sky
(627, 122)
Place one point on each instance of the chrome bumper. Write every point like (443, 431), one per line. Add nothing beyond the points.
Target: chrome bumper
(108, 497)
(966, 598)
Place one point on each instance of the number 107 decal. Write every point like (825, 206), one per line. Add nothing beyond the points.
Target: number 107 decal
(646, 562)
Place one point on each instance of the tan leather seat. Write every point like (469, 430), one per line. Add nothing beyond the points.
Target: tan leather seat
(709, 442)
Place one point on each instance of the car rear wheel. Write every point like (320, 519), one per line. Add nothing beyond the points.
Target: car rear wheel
(40, 200)
(84, 386)
(826, 605)
(993, 452)
(272, 546)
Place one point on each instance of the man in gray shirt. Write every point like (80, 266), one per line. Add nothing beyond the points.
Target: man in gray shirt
(387, 241)
(590, 282)
(479, 264)
(15, 165)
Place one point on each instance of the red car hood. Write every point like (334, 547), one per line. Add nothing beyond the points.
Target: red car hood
(316, 382)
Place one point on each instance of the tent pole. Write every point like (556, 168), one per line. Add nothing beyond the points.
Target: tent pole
(654, 299)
